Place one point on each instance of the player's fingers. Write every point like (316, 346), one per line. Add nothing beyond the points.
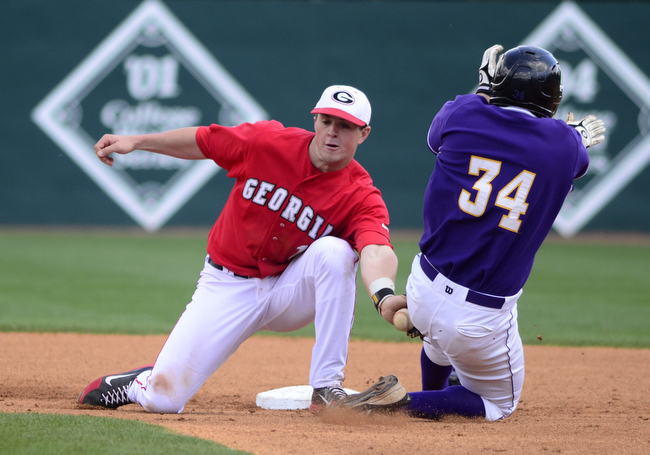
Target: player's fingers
(598, 128)
(391, 305)
(597, 140)
(104, 155)
(588, 119)
(598, 132)
(494, 50)
(106, 160)
(488, 62)
(106, 151)
(111, 144)
(104, 142)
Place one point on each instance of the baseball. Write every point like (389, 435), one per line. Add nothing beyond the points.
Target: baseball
(402, 320)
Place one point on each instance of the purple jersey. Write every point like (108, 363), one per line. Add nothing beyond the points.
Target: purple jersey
(500, 179)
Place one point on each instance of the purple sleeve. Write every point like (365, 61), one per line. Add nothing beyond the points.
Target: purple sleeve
(434, 136)
(582, 160)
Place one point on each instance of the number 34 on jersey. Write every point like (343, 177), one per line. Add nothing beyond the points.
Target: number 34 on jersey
(512, 197)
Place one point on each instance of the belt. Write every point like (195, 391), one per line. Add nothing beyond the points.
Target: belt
(223, 269)
(474, 297)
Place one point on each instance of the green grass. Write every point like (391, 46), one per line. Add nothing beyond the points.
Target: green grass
(96, 283)
(588, 295)
(38, 434)
(578, 294)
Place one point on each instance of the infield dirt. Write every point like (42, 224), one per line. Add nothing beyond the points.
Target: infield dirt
(575, 400)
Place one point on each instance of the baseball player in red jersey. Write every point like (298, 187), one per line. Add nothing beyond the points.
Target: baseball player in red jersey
(281, 254)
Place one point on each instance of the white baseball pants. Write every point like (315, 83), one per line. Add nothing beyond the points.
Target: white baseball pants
(319, 286)
(482, 344)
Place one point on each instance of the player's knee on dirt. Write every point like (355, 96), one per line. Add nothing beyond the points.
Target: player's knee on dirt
(163, 394)
(494, 412)
(163, 405)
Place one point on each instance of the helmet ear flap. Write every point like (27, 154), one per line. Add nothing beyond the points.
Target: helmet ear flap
(528, 77)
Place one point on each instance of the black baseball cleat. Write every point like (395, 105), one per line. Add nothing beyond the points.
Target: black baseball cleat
(323, 397)
(111, 391)
(385, 396)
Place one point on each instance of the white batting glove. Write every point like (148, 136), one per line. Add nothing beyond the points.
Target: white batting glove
(590, 128)
(486, 71)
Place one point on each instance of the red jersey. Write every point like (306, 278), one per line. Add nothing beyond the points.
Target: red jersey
(280, 203)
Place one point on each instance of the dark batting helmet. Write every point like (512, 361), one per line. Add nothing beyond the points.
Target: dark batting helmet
(528, 77)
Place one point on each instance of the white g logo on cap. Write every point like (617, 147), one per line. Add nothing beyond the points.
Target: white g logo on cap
(343, 97)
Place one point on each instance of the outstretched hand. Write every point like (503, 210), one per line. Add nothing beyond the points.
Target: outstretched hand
(110, 143)
(487, 69)
(591, 129)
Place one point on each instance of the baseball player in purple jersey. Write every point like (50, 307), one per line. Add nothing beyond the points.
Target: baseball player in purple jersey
(504, 167)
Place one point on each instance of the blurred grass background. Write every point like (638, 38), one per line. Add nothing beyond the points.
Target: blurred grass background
(592, 292)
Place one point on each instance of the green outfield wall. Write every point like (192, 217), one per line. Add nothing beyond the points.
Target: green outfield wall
(72, 71)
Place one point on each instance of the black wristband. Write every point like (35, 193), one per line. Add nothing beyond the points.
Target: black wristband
(380, 295)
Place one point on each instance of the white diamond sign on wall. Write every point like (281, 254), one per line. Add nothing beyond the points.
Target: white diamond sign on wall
(598, 79)
(149, 75)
